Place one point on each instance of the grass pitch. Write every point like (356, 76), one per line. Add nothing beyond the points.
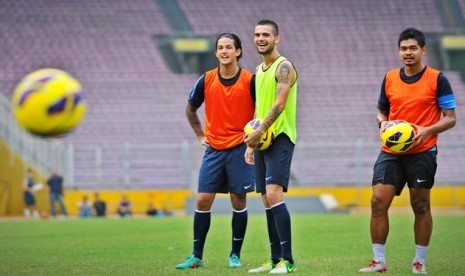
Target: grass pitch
(336, 244)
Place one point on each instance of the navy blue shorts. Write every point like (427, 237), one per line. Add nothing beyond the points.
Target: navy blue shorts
(224, 171)
(417, 170)
(273, 165)
(29, 199)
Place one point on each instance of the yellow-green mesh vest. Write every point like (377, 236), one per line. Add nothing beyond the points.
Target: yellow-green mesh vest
(265, 89)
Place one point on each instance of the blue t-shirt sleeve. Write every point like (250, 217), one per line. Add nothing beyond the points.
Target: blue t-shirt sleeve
(197, 94)
(383, 102)
(445, 95)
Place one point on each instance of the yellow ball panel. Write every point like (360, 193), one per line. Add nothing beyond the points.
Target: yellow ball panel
(398, 136)
(267, 137)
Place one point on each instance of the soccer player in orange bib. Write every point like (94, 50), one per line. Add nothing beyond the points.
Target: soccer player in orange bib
(229, 94)
(422, 96)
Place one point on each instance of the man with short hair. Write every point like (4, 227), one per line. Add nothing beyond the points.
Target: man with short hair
(57, 191)
(276, 105)
(423, 97)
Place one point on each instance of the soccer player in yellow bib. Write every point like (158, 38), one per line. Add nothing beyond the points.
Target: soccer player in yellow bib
(276, 103)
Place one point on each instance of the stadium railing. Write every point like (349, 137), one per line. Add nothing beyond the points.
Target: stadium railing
(36, 152)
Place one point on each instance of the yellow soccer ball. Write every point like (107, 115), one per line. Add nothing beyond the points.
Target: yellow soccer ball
(48, 102)
(267, 137)
(398, 136)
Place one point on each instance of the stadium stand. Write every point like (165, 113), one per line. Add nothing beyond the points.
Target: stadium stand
(341, 60)
(135, 133)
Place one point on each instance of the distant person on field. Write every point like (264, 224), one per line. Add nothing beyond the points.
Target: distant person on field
(85, 207)
(423, 97)
(151, 210)
(57, 191)
(99, 206)
(29, 198)
(124, 207)
(228, 95)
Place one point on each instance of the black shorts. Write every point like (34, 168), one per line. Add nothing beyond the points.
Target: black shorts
(273, 165)
(417, 170)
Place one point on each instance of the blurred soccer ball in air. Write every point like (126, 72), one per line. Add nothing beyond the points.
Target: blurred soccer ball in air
(48, 102)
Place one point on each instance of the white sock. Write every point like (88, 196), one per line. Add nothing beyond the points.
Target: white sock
(35, 214)
(420, 252)
(27, 212)
(378, 253)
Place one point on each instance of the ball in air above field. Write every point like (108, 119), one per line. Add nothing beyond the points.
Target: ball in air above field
(48, 103)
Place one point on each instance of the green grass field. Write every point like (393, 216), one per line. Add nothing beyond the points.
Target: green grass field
(336, 244)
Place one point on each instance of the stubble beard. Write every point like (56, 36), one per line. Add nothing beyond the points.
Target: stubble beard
(266, 52)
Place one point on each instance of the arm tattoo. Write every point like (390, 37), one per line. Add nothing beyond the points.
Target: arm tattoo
(283, 77)
(194, 120)
(196, 126)
(270, 119)
(284, 72)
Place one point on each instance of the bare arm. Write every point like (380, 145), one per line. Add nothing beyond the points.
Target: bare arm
(285, 74)
(447, 121)
(194, 121)
(25, 187)
(382, 118)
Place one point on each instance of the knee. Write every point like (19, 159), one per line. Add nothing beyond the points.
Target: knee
(421, 207)
(379, 205)
(273, 198)
(204, 203)
(238, 202)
